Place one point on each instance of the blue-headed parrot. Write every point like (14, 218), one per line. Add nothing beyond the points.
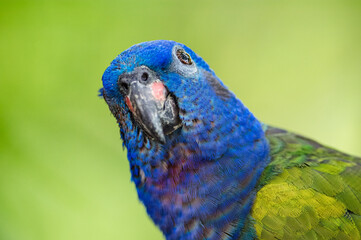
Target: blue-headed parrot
(206, 168)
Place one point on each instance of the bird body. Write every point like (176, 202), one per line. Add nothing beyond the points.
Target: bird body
(308, 191)
(206, 168)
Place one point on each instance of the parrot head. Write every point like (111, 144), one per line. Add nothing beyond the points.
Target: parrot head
(160, 87)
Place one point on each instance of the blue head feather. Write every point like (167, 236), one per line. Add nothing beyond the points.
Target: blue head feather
(199, 182)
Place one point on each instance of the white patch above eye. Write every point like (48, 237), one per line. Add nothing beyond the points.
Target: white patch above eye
(184, 66)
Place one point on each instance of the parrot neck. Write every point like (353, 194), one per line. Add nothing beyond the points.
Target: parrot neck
(201, 183)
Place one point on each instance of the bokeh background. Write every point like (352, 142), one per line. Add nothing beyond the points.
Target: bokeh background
(63, 173)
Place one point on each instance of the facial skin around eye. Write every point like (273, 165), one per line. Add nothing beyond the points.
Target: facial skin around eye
(182, 62)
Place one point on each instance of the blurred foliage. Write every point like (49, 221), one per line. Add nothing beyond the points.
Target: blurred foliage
(64, 175)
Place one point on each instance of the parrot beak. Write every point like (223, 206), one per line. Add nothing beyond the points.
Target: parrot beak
(153, 107)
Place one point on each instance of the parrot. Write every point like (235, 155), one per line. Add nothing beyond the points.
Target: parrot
(206, 168)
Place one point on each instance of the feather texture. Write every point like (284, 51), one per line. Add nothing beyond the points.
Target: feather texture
(308, 191)
(223, 174)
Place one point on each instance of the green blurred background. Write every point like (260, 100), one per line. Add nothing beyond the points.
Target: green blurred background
(64, 175)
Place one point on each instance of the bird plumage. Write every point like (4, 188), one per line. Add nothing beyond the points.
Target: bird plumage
(308, 191)
(222, 174)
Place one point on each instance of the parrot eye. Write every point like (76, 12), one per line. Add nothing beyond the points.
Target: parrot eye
(184, 57)
(182, 62)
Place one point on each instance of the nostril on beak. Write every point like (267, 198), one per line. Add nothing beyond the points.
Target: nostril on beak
(144, 77)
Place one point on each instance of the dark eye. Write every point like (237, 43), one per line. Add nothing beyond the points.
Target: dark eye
(184, 57)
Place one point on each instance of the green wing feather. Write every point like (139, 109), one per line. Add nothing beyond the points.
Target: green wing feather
(308, 191)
